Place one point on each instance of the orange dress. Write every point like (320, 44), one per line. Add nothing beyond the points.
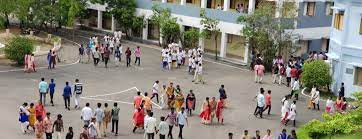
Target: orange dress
(32, 117)
(148, 103)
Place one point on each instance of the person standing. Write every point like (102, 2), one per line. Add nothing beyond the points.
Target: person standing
(288, 74)
(181, 121)
(275, 73)
(51, 90)
(115, 118)
(81, 53)
(93, 132)
(95, 56)
(295, 88)
(155, 90)
(292, 113)
(162, 128)
(107, 118)
(67, 93)
(99, 114)
(31, 63)
(78, 89)
(128, 56)
(48, 124)
(137, 54)
(43, 90)
(281, 73)
(163, 97)
(268, 102)
(219, 111)
(190, 102)
(222, 94)
(117, 56)
(315, 99)
(260, 104)
(58, 126)
(341, 90)
(171, 120)
(23, 117)
(151, 126)
(86, 114)
(26, 59)
(285, 108)
(106, 55)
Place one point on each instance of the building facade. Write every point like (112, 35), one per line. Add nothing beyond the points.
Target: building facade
(345, 50)
(311, 17)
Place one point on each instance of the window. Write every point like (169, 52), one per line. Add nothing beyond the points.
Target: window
(230, 38)
(310, 8)
(338, 20)
(360, 27)
(329, 10)
(358, 76)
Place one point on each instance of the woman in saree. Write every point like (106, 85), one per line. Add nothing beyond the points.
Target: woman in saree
(40, 110)
(32, 117)
(190, 102)
(219, 111)
(179, 98)
(205, 114)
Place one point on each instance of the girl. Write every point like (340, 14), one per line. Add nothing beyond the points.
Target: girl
(190, 102)
(329, 105)
(205, 112)
(32, 117)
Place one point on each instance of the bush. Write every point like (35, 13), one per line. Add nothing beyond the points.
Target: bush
(17, 48)
(316, 73)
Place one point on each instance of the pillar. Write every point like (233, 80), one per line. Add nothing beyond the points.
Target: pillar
(203, 3)
(246, 53)
(201, 41)
(113, 28)
(183, 2)
(145, 30)
(100, 19)
(164, 1)
(226, 5)
(251, 6)
(182, 29)
(223, 45)
(279, 6)
(161, 39)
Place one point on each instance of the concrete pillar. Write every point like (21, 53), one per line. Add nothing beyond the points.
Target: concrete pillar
(203, 3)
(100, 19)
(145, 30)
(164, 1)
(161, 39)
(226, 5)
(113, 28)
(183, 2)
(246, 53)
(201, 41)
(251, 6)
(223, 45)
(182, 29)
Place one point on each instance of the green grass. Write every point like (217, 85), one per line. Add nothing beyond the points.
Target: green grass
(357, 135)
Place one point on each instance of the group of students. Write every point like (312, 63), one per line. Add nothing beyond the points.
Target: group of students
(268, 135)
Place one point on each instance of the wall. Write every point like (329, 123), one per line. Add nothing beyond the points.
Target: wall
(319, 20)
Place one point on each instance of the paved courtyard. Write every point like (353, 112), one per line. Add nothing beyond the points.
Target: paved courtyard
(121, 83)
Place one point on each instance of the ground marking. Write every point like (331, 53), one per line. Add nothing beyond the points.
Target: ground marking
(40, 67)
(159, 107)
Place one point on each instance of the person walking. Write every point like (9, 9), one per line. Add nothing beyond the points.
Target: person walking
(58, 126)
(163, 128)
(48, 124)
(39, 128)
(137, 54)
(219, 111)
(199, 72)
(51, 91)
(81, 53)
(115, 118)
(315, 99)
(222, 94)
(138, 118)
(151, 126)
(171, 120)
(128, 56)
(155, 90)
(107, 118)
(67, 93)
(292, 113)
(106, 55)
(260, 104)
(329, 105)
(88, 51)
(293, 75)
(147, 102)
(190, 102)
(268, 101)
(293, 135)
(295, 88)
(32, 117)
(86, 114)
(117, 56)
(268, 134)
(93, 132)
(78, 89)
(49, 59)
(23, 117)
(288, 75)
(99, 114)
(181, 121)
(70, 133)
(43, 90)
(137, 100)
(96, 56)
(283, 135)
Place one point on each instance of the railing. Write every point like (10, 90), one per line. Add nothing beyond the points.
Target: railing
(191, 10)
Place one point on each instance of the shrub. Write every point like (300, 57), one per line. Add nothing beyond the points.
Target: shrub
(316, 73)
(17, 48)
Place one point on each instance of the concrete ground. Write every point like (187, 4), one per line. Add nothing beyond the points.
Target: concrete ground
(18, 87)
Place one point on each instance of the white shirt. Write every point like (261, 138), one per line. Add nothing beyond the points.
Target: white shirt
(296, 85)
(86, 113)
(190, 61)
(189, 53)
(181, 118)
(199, 70)
(329, 103)
(163, 128)
(287, 71)
(155, 88)
(150, 125)
(261, 100)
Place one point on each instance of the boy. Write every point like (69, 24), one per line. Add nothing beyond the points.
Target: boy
(163, 128)
(51, 90)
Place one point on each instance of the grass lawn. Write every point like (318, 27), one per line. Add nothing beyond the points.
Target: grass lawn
(357, 135)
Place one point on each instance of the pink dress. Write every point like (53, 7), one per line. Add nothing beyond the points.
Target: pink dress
(260, 70)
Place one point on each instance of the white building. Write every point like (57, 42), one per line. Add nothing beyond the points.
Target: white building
(345, 50)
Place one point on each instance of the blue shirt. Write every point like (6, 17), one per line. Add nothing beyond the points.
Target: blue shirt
(67, 91)
(52, 88)
(43, 87)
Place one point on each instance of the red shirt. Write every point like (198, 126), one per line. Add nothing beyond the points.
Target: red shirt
(268, 99)
(293, 72)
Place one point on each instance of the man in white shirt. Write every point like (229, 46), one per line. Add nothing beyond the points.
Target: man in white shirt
(260, 104)
(86, 114)
(155, 90)
(181, 121)
(151, 126)
(163, 128)
(289, 77)
(295, 88)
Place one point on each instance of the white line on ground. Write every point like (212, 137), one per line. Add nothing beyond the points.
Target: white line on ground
(107, 100)
(40, 67)
(159, 107)
(120, 92)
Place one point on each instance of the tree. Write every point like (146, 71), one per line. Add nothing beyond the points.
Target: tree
(7, 7)
(211, 25)
(168, 26)
(316, 73)
(267, 34)
(17, 48)
(190, 37)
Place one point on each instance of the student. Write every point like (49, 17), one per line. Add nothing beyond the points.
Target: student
(93, 133)
(58, 126)
(70, 133)
(295, 88)
(48, 124)
(155, 90)
(190, 102)
(150, 126)
(245, 135)
(147, 102)
(292, 113)
(268, 134)
(288, 75)
(181, 121)
(43, 90)
(138, 118)
(81, 53)
(107, 118)
(67, 93)
(341, 90)
(137, 100)
(315, 99)
(128, 56)
(137, 54)
(78, 89)
(86, 114)
(39, 127)
(329, 105)
(283, 135)
(163, 128)
(268, 101)
(293, 135)
(171, 120)
(23, 117)
(96, 54)
(257, 135)
(117, 56)
(51, 90)
(115, 118)
(106, 55)
(99, 115)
